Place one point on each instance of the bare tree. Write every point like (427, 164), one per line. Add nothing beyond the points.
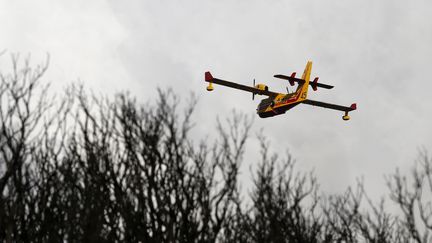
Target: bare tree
(349, 219)
(283, 204)
(415, 198)
(94, 169)
(23, 104)
(82, 168)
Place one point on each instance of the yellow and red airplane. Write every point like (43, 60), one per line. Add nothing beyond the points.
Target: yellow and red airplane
(279, 103)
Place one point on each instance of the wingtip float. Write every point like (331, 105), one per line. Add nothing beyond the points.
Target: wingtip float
(279, 103)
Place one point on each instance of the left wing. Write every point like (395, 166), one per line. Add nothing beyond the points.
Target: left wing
(331, 106)
(209, 78)
(289, 78)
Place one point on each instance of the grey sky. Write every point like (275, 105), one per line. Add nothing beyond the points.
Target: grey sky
(376, 53)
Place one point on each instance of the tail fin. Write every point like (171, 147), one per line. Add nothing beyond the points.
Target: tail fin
(303, 88)
(307, 71)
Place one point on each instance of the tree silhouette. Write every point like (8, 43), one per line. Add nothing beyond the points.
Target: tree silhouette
(99, 170)
(283, 203)
(81, 168)
(415, 201)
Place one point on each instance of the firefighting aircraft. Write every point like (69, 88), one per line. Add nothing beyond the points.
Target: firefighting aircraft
(279, 103)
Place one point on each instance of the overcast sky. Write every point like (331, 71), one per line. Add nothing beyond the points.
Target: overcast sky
(376, 53)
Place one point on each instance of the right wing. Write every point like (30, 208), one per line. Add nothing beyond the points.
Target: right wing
(330, 106)
(209, 78)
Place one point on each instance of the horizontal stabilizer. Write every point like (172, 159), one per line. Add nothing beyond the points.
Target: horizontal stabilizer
(314, 84)
(324, 86)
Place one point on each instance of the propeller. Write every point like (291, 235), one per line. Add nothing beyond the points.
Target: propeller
(253, 94)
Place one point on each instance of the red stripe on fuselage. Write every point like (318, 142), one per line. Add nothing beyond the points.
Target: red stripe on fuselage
(288, 101)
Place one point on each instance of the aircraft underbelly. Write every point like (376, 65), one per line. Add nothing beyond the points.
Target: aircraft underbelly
(276, 111)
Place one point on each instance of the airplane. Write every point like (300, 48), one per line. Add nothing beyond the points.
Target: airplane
(279, 103)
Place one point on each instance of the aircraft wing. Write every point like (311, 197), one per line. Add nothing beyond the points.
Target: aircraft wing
(330, 106)
(298, 80)
(209, 78)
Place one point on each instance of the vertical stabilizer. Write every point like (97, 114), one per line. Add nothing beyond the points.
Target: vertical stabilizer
(303, 88)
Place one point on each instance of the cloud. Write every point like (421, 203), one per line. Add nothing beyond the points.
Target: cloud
(370, 50)
(81, 37)
(376, 53)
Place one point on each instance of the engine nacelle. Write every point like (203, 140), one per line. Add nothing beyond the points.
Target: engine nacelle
(292, 76)
(314, 84)
(262, 87)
